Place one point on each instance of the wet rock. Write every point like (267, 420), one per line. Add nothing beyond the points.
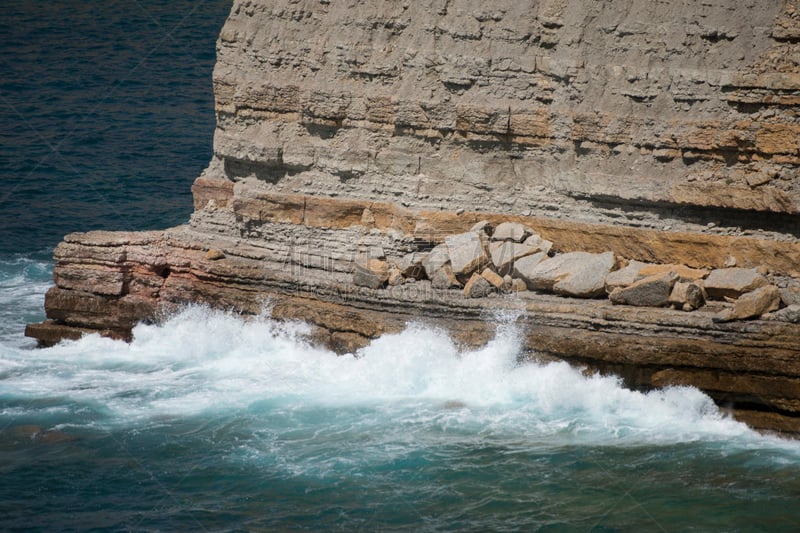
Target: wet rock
(624, 276)
(505, 254)
(579, 274)
(466, 253)
(38, 434)
(494, 279)
(435, 259)
(372, 273)
(445, 279)
(787, 314)
(732, 282)
(346, 341)
(752, 304)
(477, 287)
(28, 431)
(511, 231)
(55, 436)
(686, 295)
(652, 291)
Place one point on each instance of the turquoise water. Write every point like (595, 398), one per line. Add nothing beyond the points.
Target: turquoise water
(213, 423)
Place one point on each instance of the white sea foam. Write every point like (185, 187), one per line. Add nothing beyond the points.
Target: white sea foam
(203, 362)
(23, 282)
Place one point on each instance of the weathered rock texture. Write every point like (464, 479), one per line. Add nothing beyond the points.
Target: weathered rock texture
(662, 132)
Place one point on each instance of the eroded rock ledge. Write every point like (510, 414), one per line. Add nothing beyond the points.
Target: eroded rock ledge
(303, 269)
(351, 132)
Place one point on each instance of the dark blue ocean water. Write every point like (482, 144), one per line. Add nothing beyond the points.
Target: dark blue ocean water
(211, 423)
(106, 114)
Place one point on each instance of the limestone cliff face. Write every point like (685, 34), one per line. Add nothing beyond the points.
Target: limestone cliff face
(664, 132)
(636, 113)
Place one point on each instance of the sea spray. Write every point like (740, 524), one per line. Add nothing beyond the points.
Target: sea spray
(210, 418)
(23, 282)
(204, 361)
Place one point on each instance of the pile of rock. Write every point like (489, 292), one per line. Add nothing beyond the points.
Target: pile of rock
(512, 257)
(688, 289)
(484, 260)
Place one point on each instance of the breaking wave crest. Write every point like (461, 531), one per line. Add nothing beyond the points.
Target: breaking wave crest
(203, 362)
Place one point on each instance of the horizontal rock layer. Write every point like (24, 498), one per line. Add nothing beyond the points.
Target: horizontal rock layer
(299, 270)
(663, 133)
(688, 112)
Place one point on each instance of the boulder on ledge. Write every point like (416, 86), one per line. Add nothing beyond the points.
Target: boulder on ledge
(373, 273)
(652, 291)
(684, 272)
(733, 282)
(687, 296)
(579, 274)
(523, 268)
(787, 314)
(494, 279)
(466, 253)
(511, 231)
(445, 279)
(477, 287)
(625, 276)
(435, 259)
(410, 265)
(505, 254)
(790, 296)
(484, 226)
(751, 305)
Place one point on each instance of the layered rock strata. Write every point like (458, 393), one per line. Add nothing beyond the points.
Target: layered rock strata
(350, 135)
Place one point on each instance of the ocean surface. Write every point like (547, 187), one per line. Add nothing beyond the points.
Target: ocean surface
(212, 423)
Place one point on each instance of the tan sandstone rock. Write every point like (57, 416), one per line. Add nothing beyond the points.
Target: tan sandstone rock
(624, 276)
(511, 231)
(466, 253)
(477, 287)
(435, 259)
(484, 226)
(524, 267)
(493, 278)
(684, 273)
(213, 254)
(652, 291)
(411, 267)
(445, 279)
(787, 314)
(373, 273)
(578, 274)
(790, 296)
(504, 254)
(732, 282)
(686, 295)
(752, 304)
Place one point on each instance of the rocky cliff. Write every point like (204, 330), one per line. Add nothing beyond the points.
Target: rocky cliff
(353, 138)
